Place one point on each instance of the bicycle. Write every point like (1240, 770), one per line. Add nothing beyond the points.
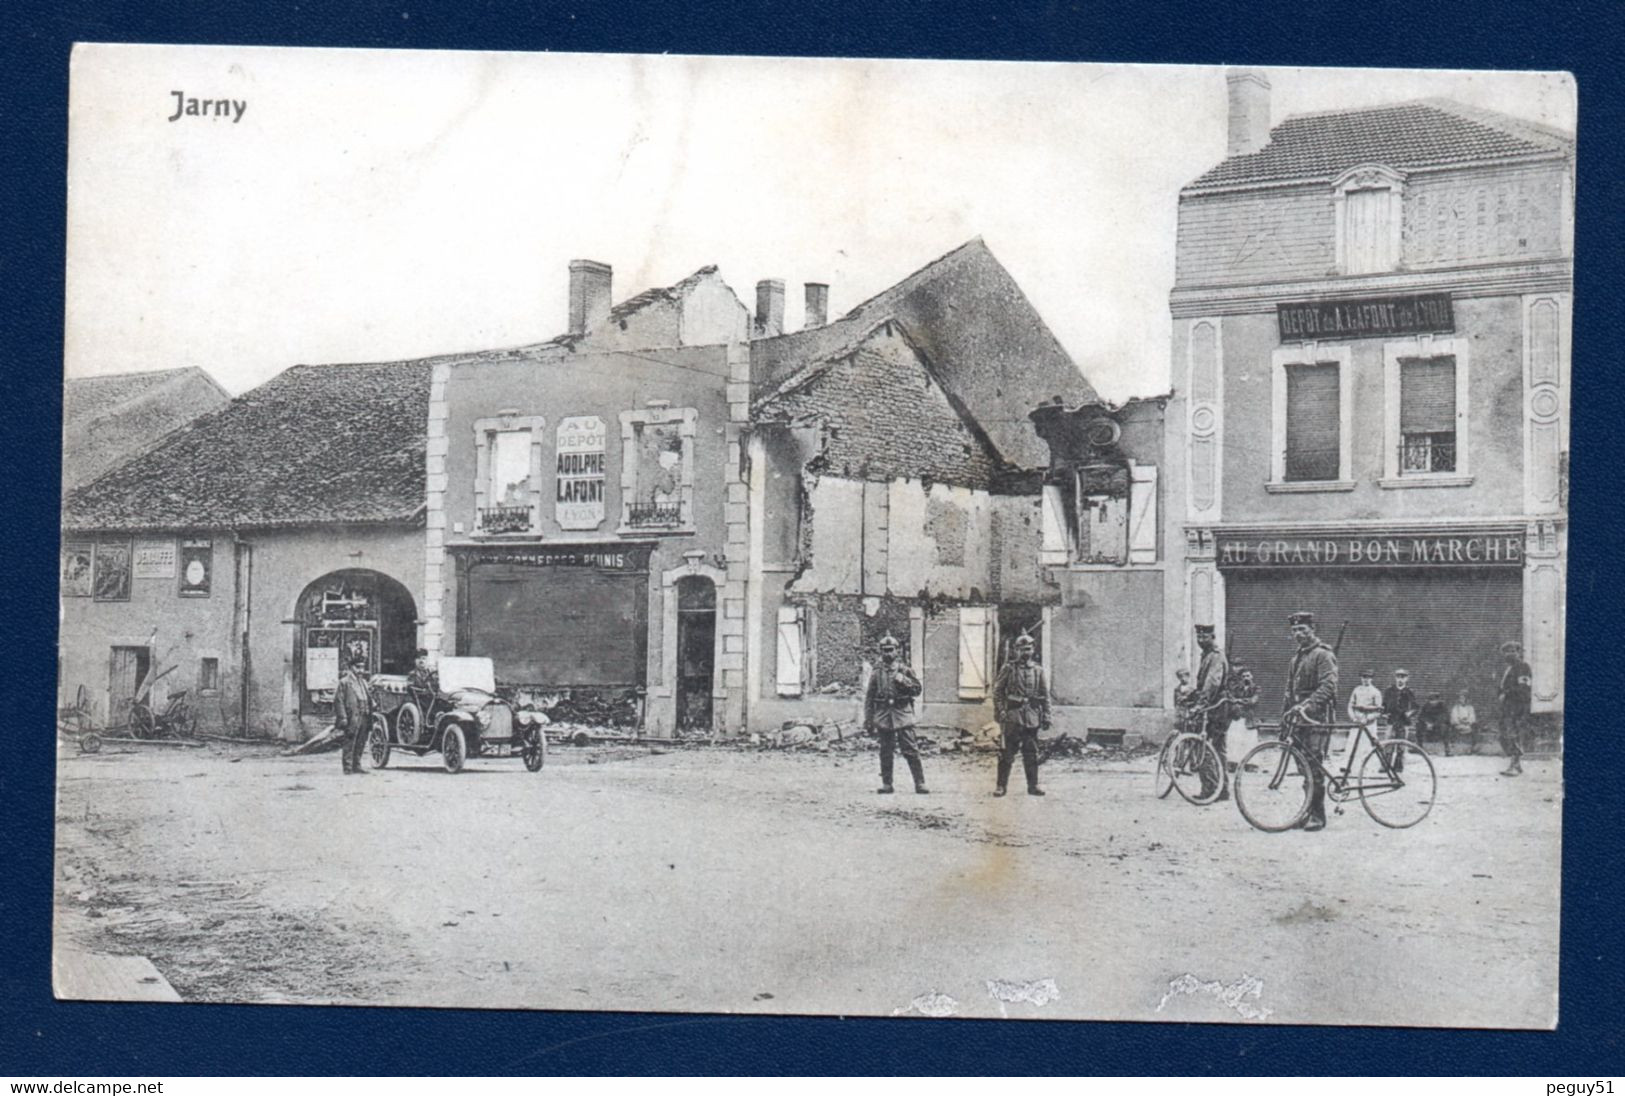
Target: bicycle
(1188, 760)
(1396, 783)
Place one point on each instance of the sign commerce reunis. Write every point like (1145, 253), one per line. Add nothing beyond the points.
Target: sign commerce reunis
(1363, 319)
(1375, 550)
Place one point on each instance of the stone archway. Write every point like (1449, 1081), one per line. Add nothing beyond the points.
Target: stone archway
(351, 611)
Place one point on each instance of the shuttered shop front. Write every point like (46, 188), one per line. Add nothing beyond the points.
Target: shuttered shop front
(556, 617)
(1439, 607)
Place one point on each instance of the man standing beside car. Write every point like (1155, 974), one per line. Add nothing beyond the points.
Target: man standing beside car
(352, 712)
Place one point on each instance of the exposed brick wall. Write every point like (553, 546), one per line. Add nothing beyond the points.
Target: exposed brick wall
(883, 418)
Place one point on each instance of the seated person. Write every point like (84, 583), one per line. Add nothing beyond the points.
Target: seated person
(1434, 720)
(423, 678)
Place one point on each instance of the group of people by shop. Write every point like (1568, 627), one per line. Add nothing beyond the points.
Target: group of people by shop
(1223, 695)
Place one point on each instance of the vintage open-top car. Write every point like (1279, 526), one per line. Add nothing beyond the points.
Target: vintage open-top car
(464, 719)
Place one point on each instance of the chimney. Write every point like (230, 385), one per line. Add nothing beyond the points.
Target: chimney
(589, 295)
(817, 305)
(1249, 111)
(769, 307)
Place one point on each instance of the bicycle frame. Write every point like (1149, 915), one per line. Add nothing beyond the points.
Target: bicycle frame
(1340, 786)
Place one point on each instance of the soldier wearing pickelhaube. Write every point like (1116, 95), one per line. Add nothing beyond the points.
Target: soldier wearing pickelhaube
(1021, 705)
(888, 710)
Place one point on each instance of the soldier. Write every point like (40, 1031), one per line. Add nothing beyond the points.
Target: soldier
(1021, 705)
(888, 708)
(352, 711)
(1311, 693)
(1516, 680)
(1208, 697)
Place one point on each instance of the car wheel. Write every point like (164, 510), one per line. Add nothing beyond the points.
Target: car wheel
(535, 752)
(408, 723)
(453, 749)
(378, 742)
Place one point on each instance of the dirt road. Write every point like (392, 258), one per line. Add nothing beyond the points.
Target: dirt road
(737, 881)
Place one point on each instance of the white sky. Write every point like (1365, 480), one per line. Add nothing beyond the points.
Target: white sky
(380, 205)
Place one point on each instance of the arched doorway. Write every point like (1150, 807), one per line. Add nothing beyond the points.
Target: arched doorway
(696, 650)
(354, 611)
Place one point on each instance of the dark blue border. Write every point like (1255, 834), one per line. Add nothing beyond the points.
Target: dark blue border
(42, 1037)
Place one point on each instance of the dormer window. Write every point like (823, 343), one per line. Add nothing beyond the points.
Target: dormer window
(1368, 203)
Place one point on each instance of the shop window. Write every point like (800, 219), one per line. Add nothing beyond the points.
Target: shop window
(1313, 422)
(1427, 415)
(657, 470)
(208, 675)
(1369, 209)
(508, 476)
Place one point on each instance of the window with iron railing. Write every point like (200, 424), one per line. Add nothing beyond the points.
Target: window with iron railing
(504, 519)
(1427, 415)
(651, 515)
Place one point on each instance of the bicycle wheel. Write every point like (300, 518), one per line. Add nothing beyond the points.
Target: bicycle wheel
(1197, 771)
(1165, 774)
(1272, 786)
(1398, 784)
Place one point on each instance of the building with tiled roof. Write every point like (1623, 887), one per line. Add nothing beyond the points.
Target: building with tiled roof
(108, 419)
(1371, 345)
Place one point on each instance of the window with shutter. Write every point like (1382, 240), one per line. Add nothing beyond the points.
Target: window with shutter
(974, 640)
(788, 676)
(1313, 416)
(1052, 521)
(1368, 234)
(1142, 518)
(1427, 415)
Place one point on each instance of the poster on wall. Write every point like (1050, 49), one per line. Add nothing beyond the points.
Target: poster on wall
(579, 498)
(196, 566)
(76, 567)
(321, 669)
(112, 580)
(154, 559)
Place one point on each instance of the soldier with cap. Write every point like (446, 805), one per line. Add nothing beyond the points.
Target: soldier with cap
(888, 708)
(1021, 705)
(1516, 682)
(1209, 699)
(1311, 694)
(352, 712)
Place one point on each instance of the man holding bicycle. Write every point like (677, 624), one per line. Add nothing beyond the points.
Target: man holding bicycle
(1207, 697)
(1311, 695)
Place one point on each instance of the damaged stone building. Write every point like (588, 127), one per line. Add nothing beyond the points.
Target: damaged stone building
(897, 485)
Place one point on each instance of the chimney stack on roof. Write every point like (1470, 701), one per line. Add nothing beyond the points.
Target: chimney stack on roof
(817, 305)
(1249, 111)
(770, 307)
(589, 294)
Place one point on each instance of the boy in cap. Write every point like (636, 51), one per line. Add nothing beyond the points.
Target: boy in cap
(1400, 703)
(1516, 681)
(1021, 705)
(1365, 701)
(888, 708)
(1311, 693)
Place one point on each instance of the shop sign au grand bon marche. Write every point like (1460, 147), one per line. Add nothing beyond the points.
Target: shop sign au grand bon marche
(1354, 549)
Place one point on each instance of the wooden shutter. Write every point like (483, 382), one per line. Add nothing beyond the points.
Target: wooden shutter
(1142, 517)
(788, 666)
(1368, 233)
(974, 630)
(1313, 439)
(1427, 396)
(1053, 546)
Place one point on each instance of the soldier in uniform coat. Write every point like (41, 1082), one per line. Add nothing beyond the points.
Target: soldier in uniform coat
(1311, 693)
(888, 708)
(1209, 699)
(1400, 704)
(352, 711)
(1516, 681)
(1021, 705)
